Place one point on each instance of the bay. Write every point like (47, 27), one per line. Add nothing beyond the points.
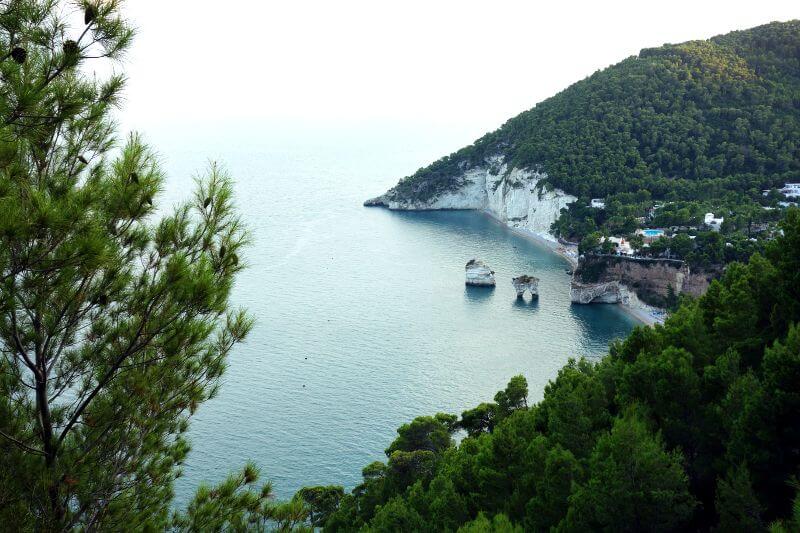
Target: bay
(362, 318)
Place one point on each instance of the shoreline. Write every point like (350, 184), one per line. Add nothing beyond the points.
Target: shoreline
(549, 242)
(646, 314)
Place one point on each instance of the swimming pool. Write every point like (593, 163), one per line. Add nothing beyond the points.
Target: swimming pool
(653, 232)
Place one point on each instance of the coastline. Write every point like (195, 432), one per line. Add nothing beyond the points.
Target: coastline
(646, 314)
(570, 254)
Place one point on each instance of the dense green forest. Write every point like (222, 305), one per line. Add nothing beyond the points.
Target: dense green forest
(713, 121)
(687, 426)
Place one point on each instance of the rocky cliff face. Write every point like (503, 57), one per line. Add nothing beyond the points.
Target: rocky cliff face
(616, 279)
(516, 197)
(601, 293)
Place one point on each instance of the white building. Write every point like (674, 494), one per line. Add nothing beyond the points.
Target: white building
(791, 190)
(598, 203)
(623, 246)
(714, 223)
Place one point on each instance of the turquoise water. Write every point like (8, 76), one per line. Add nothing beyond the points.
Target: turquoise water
(363, 319)
(653, 232)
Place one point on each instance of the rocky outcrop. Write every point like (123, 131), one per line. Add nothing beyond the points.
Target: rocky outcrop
(617, 279)
(517, 197)
(526, 283)
(590, 293)
(478, 274)
(523, 200)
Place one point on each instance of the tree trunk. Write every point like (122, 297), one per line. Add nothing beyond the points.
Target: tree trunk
(49, 446)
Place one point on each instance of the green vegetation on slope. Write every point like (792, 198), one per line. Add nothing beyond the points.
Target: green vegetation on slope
(687, 426)
(704, 121)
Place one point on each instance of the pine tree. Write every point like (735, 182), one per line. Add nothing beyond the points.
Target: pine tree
(115, 324)
(737, 504)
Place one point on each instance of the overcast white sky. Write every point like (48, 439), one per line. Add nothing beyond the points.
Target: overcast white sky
(433, 61)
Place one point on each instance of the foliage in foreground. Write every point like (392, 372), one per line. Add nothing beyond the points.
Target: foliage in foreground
(115, 323)
(687, 426)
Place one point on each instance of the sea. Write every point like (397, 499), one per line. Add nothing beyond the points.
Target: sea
(362, 318)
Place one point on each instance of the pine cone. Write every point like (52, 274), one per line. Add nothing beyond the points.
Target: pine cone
(70, 47)
(71, 52)
(19, 55)
(90, 14)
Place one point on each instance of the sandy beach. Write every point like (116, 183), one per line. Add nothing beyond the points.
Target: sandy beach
(645, 313)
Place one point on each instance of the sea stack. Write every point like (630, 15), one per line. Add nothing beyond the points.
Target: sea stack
(479, 274)
(526, 283)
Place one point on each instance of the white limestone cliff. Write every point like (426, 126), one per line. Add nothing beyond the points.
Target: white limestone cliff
(516, 197)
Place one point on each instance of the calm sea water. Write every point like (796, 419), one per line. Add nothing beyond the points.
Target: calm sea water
(363, 319)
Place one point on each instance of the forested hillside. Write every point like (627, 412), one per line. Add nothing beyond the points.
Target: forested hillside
(703, 126)
(689, 426)
(693, 119)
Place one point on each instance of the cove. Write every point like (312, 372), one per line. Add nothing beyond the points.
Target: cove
(362, 318)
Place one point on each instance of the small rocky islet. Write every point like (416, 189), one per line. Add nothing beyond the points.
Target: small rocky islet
(479, 274)
(526, 283)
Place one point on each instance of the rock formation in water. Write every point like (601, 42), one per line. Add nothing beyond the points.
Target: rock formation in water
(517, 197)
(618, 279)
(479, 274)
(526, 283)
(592, 293)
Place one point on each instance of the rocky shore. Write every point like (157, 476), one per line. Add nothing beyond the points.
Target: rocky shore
(640, 285)
(520, 200)
(601, 278)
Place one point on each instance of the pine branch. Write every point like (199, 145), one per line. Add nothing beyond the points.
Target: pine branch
(21, 444)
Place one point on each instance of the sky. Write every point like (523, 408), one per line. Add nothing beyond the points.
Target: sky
(436, 61)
